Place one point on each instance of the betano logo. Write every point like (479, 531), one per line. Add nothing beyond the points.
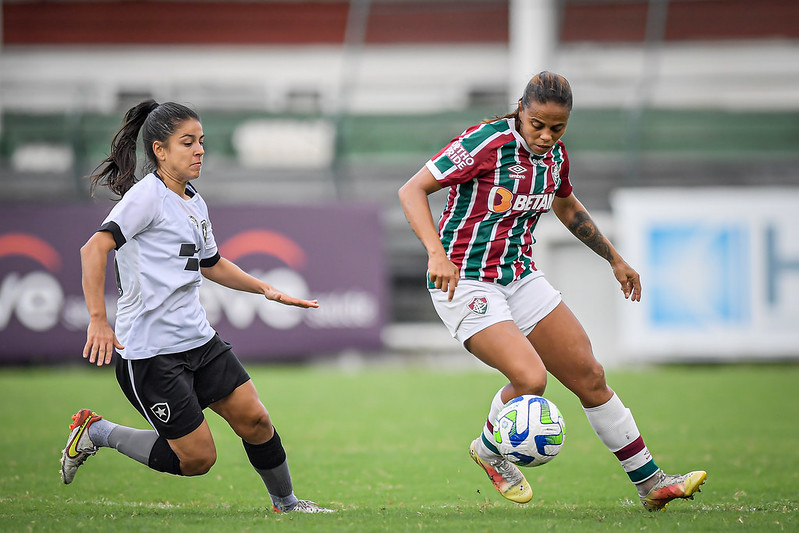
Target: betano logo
(501, 200)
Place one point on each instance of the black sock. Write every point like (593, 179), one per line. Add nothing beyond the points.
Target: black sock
(163, 459)
(267, 455)
(269, 460)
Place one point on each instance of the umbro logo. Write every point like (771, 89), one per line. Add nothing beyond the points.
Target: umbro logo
(516, 172)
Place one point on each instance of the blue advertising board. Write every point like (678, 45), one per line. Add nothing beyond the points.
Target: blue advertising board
(720, 272)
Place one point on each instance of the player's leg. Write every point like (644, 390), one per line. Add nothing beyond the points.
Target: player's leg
(248, 417)
(182, 444)
(565, 349)
(162, 389)
(224, 385)
(478, 316)
(90, 431)
(250, 420)
(504, 347)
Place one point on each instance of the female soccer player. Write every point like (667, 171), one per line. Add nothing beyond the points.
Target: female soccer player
(502, 176)
(173, 364)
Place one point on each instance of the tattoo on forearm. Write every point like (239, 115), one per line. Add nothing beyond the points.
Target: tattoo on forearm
(584, 229)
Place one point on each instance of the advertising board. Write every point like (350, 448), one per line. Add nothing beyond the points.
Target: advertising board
(330, 253)
(720, 271)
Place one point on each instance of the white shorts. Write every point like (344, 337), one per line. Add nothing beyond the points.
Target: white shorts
(479, 304)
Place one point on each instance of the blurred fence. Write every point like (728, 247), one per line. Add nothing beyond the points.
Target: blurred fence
(45, 158)
(341, 102)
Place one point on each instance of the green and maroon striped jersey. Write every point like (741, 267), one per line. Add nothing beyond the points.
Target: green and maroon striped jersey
(498, 190)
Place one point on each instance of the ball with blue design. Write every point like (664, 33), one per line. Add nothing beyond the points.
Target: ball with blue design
(529, 430)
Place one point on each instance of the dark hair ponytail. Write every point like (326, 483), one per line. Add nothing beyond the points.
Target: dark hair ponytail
(119, 172)
(157, 123)
(542, 88)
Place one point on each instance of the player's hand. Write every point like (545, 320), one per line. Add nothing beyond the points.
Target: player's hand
(277, 296)
(629, 280)
(443, 274)
(100, 343)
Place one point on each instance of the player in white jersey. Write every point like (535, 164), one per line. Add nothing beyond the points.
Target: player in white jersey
(172, 364)
(503, 175)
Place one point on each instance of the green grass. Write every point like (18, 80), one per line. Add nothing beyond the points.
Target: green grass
(387, 447)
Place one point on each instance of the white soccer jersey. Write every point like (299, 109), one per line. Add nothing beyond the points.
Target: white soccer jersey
(161, 242)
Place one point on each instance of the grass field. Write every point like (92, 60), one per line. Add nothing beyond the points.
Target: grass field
(388, 448)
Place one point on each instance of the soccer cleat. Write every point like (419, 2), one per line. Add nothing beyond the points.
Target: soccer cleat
(79, 445)
(671, 487)
(303, 506)
(506, 477)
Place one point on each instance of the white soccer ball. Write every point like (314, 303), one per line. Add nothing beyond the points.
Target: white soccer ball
(529, 430)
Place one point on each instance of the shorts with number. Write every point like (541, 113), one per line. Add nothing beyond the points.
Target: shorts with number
(171, 390)
(479, 304)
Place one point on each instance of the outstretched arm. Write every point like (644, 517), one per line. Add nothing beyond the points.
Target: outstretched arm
(230, 275)
(100, 337)
(574, 216)
(413, 197)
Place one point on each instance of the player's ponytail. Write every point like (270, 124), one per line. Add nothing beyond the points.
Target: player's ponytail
(156, 123)
(542, 88)
(118, 171)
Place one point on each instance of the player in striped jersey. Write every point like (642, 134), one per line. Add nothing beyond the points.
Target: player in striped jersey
(172, 364)
(503, 175)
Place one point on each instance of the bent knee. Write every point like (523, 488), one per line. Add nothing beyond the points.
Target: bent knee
(256, 427)
(197, 466)
(593, 378)
(530, 383)
(591, 386)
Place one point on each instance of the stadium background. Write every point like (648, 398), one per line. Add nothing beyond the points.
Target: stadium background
(316, 112)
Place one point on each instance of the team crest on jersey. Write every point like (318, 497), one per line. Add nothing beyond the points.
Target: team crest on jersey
(201, 226)
(556, 172)
(161, 411)
(478, 305)
(516, 172)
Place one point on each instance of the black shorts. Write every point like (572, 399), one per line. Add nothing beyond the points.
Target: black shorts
(171, 390)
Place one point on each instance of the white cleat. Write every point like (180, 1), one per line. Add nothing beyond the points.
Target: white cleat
(79, 445)
(303, 506)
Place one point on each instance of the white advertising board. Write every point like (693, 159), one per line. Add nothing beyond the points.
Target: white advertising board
(720, 273)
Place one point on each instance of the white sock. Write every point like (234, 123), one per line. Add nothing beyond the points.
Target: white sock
(615, 426)
(487, 435)
(496, 406)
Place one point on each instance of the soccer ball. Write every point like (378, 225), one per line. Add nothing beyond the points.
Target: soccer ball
(529, 430)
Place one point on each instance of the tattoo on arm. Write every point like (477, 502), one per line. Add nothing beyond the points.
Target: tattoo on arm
(584, 229)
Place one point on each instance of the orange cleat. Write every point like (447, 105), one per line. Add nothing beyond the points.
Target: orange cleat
(506, 477)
